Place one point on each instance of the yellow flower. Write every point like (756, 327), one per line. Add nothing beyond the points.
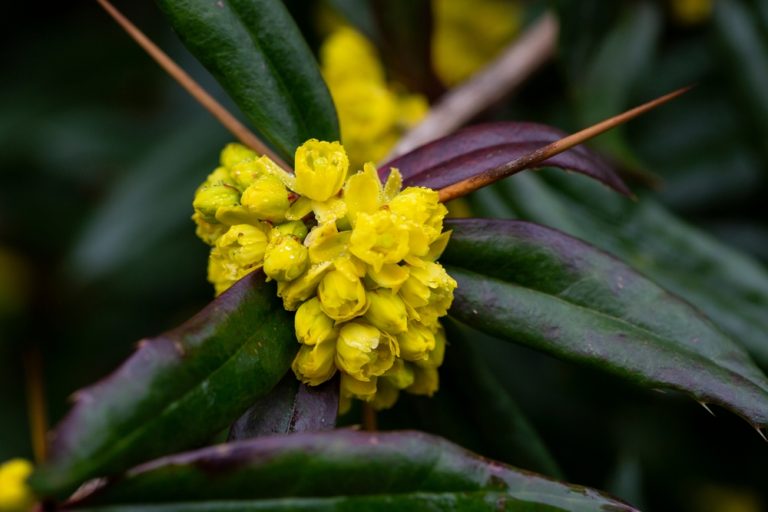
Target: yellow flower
(428, 289)
(237, 252)
(347, 55)
(691, 12)
(426, 381)
(314, 364)
(363, 281)
(469, 33)
(312, 325)
(350, 387)
(342, 298)
(285, 259)
(379, 238)
(417, 342)
(267, 199)
(15, 495)
(363, 351)
(386, 311)
(321, 168)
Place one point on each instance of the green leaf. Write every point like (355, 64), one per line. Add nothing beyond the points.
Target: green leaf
(258, 55)
(728, 286)
(339, 464)
(552, 292)
(493, 413)
(176, 391)
(290, 407)
(481, 501)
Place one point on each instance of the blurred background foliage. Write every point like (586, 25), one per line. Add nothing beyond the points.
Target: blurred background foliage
(100, 154)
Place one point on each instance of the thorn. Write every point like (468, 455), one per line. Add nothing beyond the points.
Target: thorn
(760, 433)
(230, 122)
(705, 406)
(464, 187)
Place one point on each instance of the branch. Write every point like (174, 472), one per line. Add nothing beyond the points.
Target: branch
(230, 122)
(524, 56)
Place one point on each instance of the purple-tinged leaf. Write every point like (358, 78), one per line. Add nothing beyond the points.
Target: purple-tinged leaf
(477, 149)
(177, 390)
(540, 287)
(290, 407)
(339, 463)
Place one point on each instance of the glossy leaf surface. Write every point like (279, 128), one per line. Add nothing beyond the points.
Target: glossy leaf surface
(290, 407)
(177, 390)
(545, 289)
(259, 56)
(728, 286)
(479, 148)
(341, 463)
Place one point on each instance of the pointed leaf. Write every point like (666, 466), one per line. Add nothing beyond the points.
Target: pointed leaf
(728, 286)
(258, 55)
(176, 390)
(545, 289)
(477, 149)
(337, 464)
(290, 407)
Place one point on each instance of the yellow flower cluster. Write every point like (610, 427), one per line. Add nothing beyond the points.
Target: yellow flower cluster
(364, 281)
(373, 115)
(15, 495)
(469, 33)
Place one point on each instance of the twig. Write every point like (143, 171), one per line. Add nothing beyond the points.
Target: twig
(369, 418)
(463, 188)
(510, 69)
(230, 122)
(36, 404)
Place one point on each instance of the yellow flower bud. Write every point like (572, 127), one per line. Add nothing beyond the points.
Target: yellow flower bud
(348, 55)
(385, 397)
(400, 375)
(267, 198)
(15, 494)
(285, 259)
(423, 213)
(244, 173)
(326, 243)
(208, 232)
(436, 355)
(340, 297)
(293, 228)
(297, 291)
(321, 168)
(237, 252)
(386, 311)
(313, 364)
(208, 199)
(426, 381)
(360, 389)
(363, 351)
(312, 325)
(235, 153)
(379, 238)
(416, 342)
(219, 176)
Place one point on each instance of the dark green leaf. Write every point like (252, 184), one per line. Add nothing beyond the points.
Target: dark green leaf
(290, 407)
(257, 53)
(177, 390)
(726, 285)
(494, 414)
(558, 294)
(481, 501)
(336, 464)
